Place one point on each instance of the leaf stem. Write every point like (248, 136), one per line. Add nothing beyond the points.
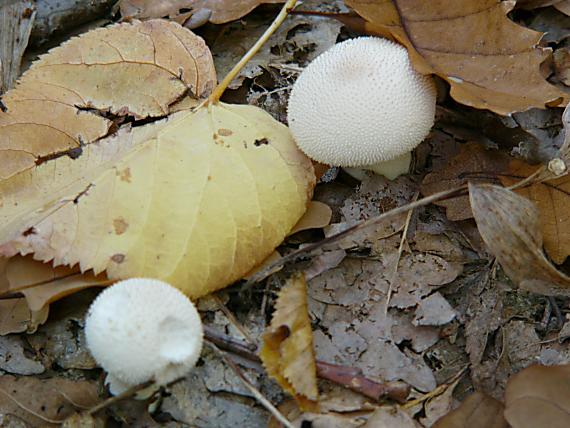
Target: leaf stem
(223, 85)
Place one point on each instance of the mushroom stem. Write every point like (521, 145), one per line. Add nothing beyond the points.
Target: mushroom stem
(222, 86)
(390, 169)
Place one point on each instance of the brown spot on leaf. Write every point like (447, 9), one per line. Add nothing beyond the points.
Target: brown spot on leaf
(261, 142)
(120, 225)
(125, 175)
(118, 258)
(225, 132)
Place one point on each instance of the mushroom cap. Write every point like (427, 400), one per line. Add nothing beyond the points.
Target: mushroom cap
(143, 329)
(361, 102)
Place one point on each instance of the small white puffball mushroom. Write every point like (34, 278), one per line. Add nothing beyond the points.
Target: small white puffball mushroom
(361, 103)
(143, 329)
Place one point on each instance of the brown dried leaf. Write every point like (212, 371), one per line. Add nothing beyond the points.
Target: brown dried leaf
(476, 411)
(16, 317)
(216, 11)
(137, 69)
(26, 397)
(539, 396)
(509, 225)
(473, 163)
(489, 61)
(41, 283)
(287, 352)
(552, 198)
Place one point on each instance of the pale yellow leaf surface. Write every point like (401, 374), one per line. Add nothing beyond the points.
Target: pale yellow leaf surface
(489, 61)
(287, 352)
(197, 200)
(138, 69)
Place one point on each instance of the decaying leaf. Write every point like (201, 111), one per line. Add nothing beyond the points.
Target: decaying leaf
(215, 11)
(39, 401)
(539, 396)
(476, 411)
(494, 65)
(197, 200)
(138, 69)
(509, 225)
(473, 163)
(16, 316)
(287, 352)
(552, 198)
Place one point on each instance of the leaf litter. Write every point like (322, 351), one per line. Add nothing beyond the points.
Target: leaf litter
(451, 305)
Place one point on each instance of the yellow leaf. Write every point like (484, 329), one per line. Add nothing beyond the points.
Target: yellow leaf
(197, 200)
(138, 69)
(489, 61)
(287, 352)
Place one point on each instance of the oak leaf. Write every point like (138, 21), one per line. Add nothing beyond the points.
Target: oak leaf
(216, 11)
(539, 396)
(509, 225)
(59, 105)
(489, 61)
(287, 352)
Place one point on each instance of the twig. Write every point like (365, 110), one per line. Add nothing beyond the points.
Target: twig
(436, 391)
(260, 275)
(30, 411)
(400, 250)
(349, 377)
(233, 320)
(219, 90)
(125, 394)
(258, 395)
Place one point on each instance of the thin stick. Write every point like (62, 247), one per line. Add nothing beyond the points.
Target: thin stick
(233, 320)
(258, 276)
(258, 395)
(400, 251)
(112, 400)
(349, 377)
(219, 90)
(437, 391)
(30, 411)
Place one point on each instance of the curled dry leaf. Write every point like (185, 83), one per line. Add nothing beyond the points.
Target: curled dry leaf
(476, 411)
(494, 65)
(215, 11)
(287, 352)
(539, 396)
(552, 199)
(197, 200)
(318, 215)
(509, 225)
(16, 316)
(138, 69)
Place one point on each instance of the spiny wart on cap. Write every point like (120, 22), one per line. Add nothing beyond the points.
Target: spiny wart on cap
(143, 329)
(361, 103)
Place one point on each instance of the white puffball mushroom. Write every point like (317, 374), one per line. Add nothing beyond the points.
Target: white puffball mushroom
(143, 329)
(360, 104)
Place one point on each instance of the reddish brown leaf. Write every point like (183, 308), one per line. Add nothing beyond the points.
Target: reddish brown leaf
(539, 396)
(489, 61)
(476, 411)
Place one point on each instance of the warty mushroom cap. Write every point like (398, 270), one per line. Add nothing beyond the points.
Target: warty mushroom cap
(143, 329)
(361, 102)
